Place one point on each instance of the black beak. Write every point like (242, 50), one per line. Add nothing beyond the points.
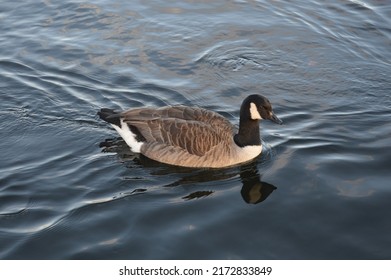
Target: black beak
(275, 119)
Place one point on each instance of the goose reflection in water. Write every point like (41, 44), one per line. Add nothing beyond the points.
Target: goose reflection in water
(253, 190)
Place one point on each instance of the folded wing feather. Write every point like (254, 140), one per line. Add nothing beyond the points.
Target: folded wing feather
(192, 130)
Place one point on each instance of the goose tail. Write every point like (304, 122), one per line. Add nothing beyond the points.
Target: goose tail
(110, 116)
(129, 133)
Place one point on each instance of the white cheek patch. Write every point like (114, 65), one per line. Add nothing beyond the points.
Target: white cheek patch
(254, 113)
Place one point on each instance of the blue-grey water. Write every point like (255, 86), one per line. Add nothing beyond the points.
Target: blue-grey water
(320, 190)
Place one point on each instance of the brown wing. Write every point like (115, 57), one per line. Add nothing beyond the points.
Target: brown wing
(193, 130)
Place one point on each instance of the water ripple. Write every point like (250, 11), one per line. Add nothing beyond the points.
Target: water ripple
(324, 66)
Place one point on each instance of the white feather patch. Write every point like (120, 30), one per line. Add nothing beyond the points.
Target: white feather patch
(247, 153)
(254, 113)
(129, 137)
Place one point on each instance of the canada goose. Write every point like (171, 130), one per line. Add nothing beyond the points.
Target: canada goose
(192, 136)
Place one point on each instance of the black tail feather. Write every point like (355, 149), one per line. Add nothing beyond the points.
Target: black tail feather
(110, 116)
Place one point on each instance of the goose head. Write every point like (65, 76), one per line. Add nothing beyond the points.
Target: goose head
(254, 108)
(257, 107)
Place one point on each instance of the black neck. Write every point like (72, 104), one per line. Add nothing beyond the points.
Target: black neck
(248, 134)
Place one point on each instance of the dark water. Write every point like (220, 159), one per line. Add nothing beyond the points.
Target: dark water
(321, 189)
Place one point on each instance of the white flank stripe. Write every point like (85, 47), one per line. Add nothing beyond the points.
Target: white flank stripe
(128, 136)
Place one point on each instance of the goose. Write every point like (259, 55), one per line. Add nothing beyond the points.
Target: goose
(193, 136)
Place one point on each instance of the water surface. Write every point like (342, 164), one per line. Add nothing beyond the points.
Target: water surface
(320, 190)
